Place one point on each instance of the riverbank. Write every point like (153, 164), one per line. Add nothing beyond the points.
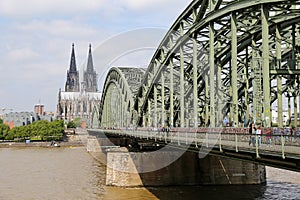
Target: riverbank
(69, 141)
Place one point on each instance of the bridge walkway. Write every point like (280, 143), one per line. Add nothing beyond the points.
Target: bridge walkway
(283, 152)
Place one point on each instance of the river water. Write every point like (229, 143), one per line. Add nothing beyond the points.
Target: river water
(72, 173)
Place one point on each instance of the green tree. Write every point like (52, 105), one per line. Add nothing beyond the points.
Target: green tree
(77, 121)
(71, 124)
(4, 129)
(39, 130)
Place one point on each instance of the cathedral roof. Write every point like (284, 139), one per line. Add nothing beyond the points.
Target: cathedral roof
(80, 95)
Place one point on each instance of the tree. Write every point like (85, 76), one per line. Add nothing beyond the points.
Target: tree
(77, 122)
(4, 129)
(71, 124)
(38, 130)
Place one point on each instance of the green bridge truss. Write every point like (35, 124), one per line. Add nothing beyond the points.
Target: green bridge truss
(221, 58)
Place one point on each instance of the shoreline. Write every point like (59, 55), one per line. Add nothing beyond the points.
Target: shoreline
(69, 141)
(41, 144)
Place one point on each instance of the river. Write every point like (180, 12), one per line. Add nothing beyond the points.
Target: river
(72, 173)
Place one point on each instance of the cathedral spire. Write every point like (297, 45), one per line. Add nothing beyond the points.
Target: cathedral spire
(90, 76)
(90, 66)
(72, 83)
(73, 60)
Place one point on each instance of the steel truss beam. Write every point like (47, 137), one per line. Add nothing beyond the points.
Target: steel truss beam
(222, 59)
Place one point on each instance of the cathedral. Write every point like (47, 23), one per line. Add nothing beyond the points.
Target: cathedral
(78, 100)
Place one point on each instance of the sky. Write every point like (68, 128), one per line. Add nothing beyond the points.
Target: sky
(36, 37)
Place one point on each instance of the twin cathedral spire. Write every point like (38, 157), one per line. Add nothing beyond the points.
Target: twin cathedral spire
(89, 83)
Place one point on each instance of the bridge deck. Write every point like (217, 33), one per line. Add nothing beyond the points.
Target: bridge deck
(283, 152)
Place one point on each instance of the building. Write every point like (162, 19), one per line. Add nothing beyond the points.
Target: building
(39, 109)
(14, 119)
(76, 101)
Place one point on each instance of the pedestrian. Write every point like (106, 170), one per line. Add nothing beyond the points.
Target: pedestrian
(168, 130)
(251, 131)
(269, 137)
(258, 134)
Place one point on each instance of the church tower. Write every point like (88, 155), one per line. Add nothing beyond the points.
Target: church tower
(72, 83)
(90, 75)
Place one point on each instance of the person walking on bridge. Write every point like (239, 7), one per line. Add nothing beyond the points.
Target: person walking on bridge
(269, 137)
(251, 132)
(258, 134)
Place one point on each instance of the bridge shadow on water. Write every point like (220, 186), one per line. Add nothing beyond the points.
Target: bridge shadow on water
(209, 192)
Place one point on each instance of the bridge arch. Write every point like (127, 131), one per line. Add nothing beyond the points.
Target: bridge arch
(223, 59)
(116, 107)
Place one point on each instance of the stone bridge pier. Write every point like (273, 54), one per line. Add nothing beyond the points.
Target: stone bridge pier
(171, 167)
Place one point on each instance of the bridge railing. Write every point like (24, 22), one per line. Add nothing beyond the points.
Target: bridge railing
(278, 141)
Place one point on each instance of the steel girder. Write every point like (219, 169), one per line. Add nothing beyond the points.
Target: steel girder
(120, 87)
(215, 61)
(95, 122)
(220, 58)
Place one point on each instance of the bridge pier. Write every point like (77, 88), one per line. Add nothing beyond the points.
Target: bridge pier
(95, 144)
(167, 166)
(124, 169)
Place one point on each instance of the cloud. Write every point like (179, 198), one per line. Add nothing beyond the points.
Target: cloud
(22, 55)
(145, 4)
(61, 28)
(16, 8)
(20, 9)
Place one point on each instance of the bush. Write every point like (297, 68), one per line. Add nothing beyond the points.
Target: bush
(71, 124)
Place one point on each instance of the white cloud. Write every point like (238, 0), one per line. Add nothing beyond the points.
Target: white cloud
(22, 55)
(145, 4)
(34, 7)
(17, 8)
(60, 28)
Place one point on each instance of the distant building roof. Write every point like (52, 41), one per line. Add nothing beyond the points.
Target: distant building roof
(79, 95)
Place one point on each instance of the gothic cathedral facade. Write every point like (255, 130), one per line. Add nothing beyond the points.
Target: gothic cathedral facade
(76, 101)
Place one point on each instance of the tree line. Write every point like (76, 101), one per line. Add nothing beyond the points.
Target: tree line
(42, 130)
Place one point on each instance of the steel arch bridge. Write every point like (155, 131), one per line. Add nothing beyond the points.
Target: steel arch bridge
(221, 58)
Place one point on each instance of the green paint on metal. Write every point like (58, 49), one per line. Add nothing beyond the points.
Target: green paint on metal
(212, 74)
(182, 93)
(234, 73)
(195, 81)
(266, 66)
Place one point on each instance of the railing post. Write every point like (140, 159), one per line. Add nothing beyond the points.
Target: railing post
(236, 143)
(161, 135)
(196, 140)
(220, 142)
(282, 146)
(256, 146)
(186, 142)
(206, 138)
(165, 135)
